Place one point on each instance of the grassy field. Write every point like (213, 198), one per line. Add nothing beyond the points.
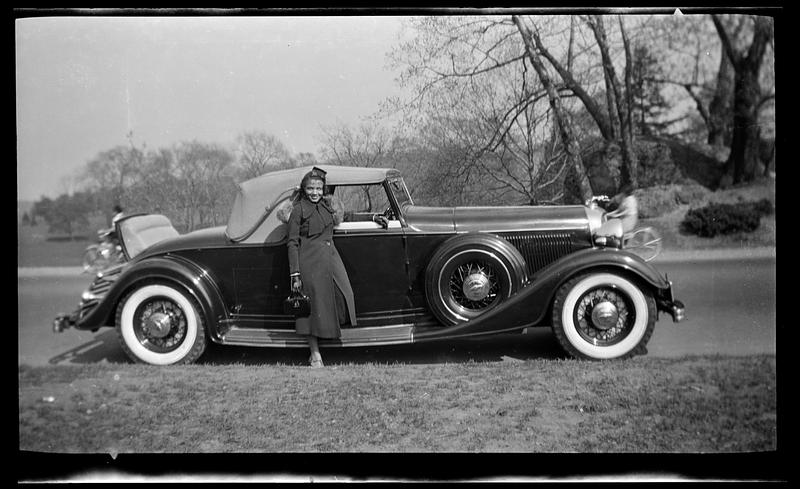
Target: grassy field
(688, 405)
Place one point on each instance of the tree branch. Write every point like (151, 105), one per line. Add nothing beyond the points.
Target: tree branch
(726, 41)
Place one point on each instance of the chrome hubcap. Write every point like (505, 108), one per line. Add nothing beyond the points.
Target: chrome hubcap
(158, 325)
(605, 315)
(476, 286)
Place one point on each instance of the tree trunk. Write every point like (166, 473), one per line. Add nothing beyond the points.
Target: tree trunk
(629, 173)
(561, 116)
(744, 155)
(743, 160)
(720, 110)
(628, 77)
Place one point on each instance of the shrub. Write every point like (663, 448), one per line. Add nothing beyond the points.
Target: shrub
(662, 199)
(763, 207)
(714, 219)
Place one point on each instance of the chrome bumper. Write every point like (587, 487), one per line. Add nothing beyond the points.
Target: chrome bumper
(676, 310)
(668, 304)
(63, 321)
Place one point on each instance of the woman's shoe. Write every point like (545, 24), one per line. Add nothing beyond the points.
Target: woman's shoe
(317, 363)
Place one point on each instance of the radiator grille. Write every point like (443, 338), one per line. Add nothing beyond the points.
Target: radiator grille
(540, 249)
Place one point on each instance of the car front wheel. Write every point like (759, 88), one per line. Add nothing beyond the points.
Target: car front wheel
(160, 325)
(601, 316)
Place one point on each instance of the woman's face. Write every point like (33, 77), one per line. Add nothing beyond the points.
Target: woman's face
(313, 190)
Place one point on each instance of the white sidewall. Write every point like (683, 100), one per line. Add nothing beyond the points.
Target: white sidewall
(128, 335)
(618, 349)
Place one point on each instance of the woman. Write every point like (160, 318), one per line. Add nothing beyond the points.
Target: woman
(315, 266)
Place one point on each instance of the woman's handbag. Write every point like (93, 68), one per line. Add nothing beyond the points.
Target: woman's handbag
(297, 305)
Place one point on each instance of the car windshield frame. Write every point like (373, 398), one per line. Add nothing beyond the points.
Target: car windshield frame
(397, 188)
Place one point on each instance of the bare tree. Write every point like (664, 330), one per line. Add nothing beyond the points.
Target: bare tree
(203, 184)
(561, 116)
(618, 105)
(259, 153)
(368, 145)
(746, 62)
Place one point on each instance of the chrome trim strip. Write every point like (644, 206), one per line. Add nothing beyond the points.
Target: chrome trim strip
(288, 338)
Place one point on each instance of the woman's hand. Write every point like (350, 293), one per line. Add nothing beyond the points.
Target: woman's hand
(381, 219)
(297, 284)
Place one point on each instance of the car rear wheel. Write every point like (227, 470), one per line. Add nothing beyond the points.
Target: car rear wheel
(160, 324)
(470, 275)
(600, 316)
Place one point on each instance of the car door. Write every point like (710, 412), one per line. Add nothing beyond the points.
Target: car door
(374, 255)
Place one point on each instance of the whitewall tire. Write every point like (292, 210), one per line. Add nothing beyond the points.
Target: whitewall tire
(160, 324)
(601, 316)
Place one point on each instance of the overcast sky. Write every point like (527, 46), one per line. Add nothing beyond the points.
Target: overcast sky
(84, 82)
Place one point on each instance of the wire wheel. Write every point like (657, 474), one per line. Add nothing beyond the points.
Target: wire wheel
(604, 316)
(600, 316)
(644, 242)
(471, 274)
(474, 285)
(160, 325)
(472, 282)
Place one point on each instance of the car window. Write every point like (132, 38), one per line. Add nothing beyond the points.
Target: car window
(362, 199)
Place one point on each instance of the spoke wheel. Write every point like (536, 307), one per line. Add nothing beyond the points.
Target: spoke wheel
(160, 325)
(601, 316)
(470, 275)
(472, 287)
(604, 316)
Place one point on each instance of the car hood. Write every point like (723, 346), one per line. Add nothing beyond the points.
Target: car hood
(496, 219)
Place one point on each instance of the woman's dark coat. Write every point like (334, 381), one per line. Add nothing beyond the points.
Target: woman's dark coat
(312, 253)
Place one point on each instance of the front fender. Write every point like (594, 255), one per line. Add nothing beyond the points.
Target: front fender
(530, 306)
(188, 275)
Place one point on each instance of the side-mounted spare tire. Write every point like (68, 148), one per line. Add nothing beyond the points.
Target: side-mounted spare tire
(471, 274)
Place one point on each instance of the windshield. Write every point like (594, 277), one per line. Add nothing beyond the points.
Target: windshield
(398, 188)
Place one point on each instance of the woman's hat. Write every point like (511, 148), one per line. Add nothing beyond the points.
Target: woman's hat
(317, 173)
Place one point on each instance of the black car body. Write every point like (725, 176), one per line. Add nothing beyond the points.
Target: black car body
(431, 273)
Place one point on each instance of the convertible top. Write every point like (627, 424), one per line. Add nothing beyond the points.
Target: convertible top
(262, 194)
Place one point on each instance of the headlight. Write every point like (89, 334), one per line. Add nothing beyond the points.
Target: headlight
(609, 233)
(595, 216)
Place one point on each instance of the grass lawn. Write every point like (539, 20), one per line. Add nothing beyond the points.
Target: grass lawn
(688, 405)
(34, 249)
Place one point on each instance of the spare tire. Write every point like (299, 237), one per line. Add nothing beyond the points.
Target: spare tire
(471, 274)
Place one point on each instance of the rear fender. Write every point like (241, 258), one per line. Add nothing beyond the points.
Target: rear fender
(530, 306)
(186, 274)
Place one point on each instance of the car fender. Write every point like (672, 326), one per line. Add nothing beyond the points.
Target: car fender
(530, 306)
(188, 275)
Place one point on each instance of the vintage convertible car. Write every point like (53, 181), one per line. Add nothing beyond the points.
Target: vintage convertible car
(423, 273)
